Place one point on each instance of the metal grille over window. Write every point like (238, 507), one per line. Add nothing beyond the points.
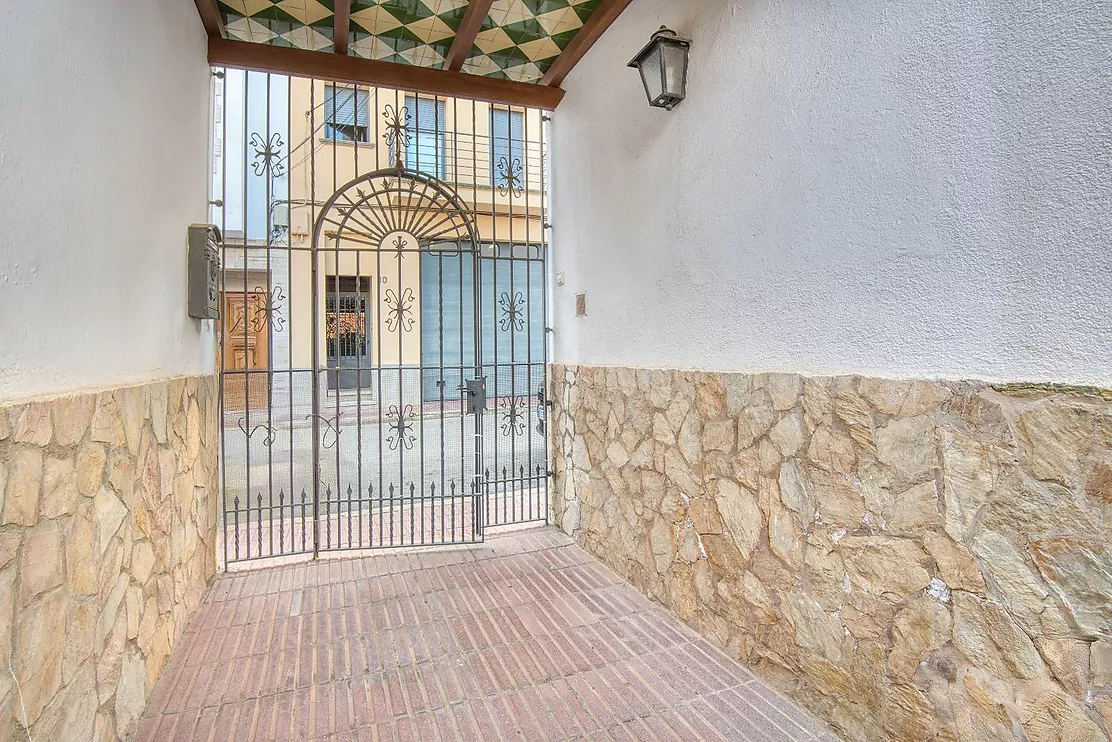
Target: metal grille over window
(383, 347)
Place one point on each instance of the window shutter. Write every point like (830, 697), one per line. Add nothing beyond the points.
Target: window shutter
(428, 114)
(346, 106)
(426, 149)
(362, 108)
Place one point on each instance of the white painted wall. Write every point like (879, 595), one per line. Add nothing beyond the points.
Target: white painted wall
(898, 189)
(104, 153)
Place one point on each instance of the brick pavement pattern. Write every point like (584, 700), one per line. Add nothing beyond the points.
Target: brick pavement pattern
(525, 637)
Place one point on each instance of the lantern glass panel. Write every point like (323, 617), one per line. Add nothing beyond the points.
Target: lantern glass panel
(651, 74)
(675, 68)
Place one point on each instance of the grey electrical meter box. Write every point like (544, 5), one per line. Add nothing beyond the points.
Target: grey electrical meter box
(204, 271)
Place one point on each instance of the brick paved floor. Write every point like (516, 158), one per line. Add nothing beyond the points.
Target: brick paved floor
(525, 637)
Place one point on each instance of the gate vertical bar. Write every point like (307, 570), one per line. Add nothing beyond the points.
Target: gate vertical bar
(269, 185)
(314, 340)
(546, 131)
(247, 369)
(526, 483)
(223, 78)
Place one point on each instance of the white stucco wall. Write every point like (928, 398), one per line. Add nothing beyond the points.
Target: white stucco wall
(104, 152)
(899, 189)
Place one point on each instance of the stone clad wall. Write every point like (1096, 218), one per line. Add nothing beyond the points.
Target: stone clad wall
(108, 525)
(910, 560)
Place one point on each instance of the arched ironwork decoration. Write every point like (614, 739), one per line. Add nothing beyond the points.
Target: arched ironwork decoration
(397, 210)
(396, 214)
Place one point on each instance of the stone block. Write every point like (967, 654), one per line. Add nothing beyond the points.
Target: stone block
(1068, 660)
(72, 416)
(907, 445)
(32, 424)
(921, 627)
(740, 515)
(1022, 592)
(90, 464)
(110, 515)
(24, 485)
(886, 567)
(788, 435)
(1054, 440)
(72, 713)
(1100, 662)
(1080, 572)
(40, 632)
(131, 693)
(81, 550)
(59, 488)
(1052, 716)
(40, 564)
(956, 566)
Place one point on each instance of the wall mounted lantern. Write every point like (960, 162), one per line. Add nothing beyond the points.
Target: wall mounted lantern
(663, 67)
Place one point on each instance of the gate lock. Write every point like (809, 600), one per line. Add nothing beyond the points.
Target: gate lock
(476, 390)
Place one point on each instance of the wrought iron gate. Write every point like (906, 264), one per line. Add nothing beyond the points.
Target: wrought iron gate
(382, 349)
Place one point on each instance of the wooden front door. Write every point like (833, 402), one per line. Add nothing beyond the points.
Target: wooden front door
(245, 351)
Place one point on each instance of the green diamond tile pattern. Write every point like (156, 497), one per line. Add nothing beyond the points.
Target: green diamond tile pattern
(418, 32)
(518, 40)
(304, 24)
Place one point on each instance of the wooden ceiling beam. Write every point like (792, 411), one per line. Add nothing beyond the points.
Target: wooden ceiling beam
(342, 16)
(477, 11)
(357, 71)
(605, 14)
(210, 17)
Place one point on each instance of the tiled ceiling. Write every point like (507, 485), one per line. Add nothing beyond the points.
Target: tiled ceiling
(519, 39)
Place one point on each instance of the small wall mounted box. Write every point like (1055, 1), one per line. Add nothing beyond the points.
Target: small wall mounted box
(204, 271)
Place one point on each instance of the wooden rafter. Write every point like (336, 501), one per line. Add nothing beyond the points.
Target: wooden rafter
(477, 11)
(210, 17)
(342, 16)
(354, 70)
(605, 14)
